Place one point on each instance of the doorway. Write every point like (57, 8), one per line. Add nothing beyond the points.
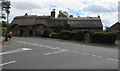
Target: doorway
(30, 32)
(21, 32)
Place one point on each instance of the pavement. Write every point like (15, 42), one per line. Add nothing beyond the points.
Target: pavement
(4, 43)
(43, 53)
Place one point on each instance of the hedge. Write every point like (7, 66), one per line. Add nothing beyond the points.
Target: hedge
(95, 37)
(104, 37)
(54, 35)
(65, 34)
(46, 33)
(79, 35)
(4, 31)
(70, 35)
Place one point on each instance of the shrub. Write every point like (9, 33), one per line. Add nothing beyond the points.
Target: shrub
(65, 34)
(104, 37)
(45, 33)
(4, 31)
(61, 26)
(72, 35)
(80, 35)
(54, 35)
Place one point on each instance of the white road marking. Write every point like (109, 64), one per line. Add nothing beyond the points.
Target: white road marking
(24, 42)
(40, 45)
(36, 44)
(7, 63)
(32, 44)
(28, 43)
(17, 41)
(97, 56)
(74, 51)
(46, 46)
(55, 52)
(112, 59)
(86, 53)
(97, 47)
(64, 50)
(53, 48)
(47, 53)
(15, 51)
(50, 47)
(57, 48)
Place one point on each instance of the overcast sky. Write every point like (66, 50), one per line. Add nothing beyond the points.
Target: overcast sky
(107, 9)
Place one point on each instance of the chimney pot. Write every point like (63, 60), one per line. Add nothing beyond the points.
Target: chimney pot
(53, 13)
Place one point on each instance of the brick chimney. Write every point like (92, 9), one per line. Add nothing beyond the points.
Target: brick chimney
(98, 16)
(53, 13)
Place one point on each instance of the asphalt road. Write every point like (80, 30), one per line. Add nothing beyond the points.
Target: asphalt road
(42, 53)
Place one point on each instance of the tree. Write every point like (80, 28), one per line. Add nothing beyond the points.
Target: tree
(63, 14)
(5, 7)
(62, 26)
(4, 24)
(71, 16)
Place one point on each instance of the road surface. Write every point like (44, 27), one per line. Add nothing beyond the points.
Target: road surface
(42, 53)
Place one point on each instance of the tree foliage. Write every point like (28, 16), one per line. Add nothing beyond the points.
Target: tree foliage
(62, 26)
(63, 14)
(71, 16)
(4, 24)
(6, 6)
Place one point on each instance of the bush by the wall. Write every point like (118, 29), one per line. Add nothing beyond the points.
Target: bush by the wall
(54, 35)
(104, 37)
(73, 35)
(80, 35)
(99, 37)
(46, 33)
(4, 31)
(65, 34)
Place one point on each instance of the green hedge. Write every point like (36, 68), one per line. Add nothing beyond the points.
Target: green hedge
(54, 35)
(79, 35)
(95, 37)
(65, 34)
(4, 31)
(70, 35)
(46, 33)
(104, 37)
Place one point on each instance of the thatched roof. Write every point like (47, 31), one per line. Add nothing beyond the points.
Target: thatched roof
(24, 20)
(76, 22)
(80, 22)
(84, 18)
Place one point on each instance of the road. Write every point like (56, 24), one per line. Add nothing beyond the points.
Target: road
(42, 53)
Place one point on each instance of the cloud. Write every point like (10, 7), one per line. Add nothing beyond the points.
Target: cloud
(53, 6)
(107, 9)
(25, 5)
(99, 9)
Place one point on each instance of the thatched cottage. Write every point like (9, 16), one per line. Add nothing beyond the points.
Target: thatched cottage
(32, 25)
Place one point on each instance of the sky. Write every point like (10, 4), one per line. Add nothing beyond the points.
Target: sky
(107, 9)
